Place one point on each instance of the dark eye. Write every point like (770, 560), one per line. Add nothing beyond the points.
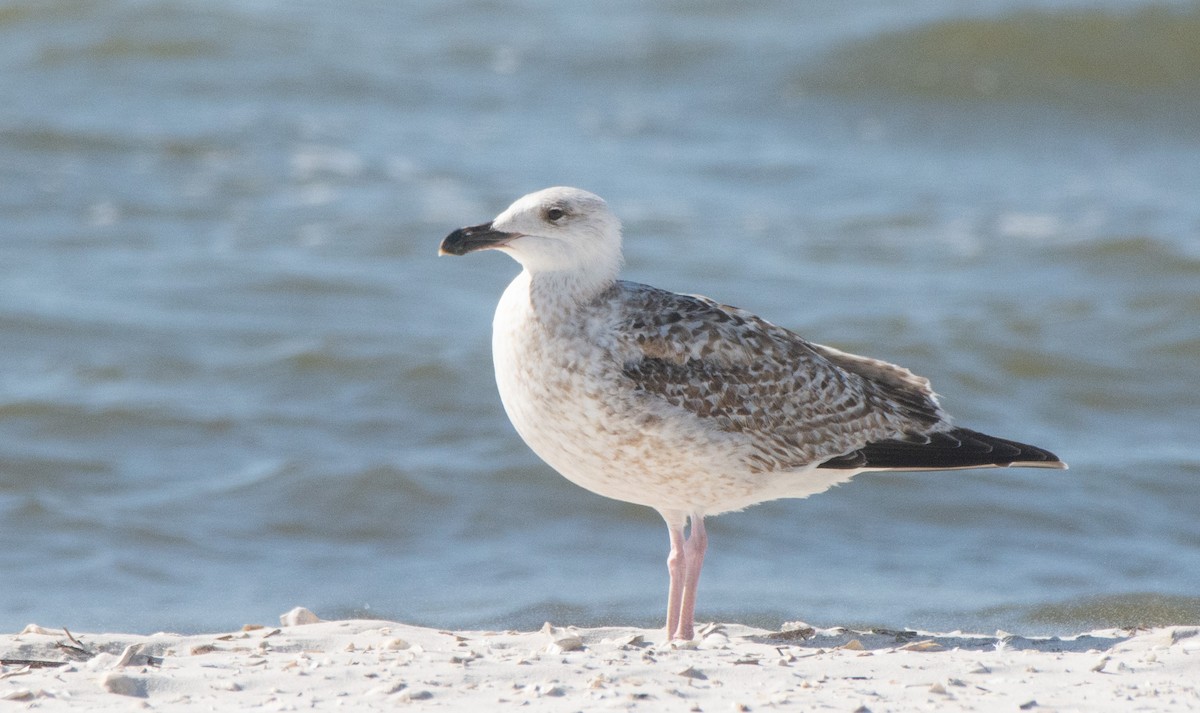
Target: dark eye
(555, 214)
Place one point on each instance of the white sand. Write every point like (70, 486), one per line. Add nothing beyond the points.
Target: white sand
(368, 665)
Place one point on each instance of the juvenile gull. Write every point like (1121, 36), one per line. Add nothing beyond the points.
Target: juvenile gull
(685, 405)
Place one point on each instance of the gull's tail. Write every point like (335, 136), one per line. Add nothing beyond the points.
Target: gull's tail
(956, 448)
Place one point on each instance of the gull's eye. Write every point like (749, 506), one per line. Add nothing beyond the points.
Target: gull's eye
(555, 214)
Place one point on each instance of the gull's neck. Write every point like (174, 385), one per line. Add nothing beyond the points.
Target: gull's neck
(559, 292)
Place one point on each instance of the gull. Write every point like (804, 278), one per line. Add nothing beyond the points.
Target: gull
(685, 405)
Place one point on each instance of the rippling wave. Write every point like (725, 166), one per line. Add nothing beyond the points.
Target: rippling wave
(1148, 57)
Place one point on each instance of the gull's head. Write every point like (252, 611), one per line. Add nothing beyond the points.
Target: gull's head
(563, 230)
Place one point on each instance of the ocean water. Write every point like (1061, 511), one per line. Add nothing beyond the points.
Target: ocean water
(235, 378)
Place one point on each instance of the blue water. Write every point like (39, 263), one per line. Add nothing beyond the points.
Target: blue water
(235, 378)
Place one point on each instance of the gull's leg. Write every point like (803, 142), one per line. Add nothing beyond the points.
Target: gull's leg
(676, 568)
(693, 552)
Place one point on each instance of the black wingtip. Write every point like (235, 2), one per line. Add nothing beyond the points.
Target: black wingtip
(956, 448)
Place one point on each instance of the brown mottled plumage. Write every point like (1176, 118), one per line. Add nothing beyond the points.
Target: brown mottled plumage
(798, 403)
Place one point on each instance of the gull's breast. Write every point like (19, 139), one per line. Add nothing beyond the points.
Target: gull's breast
(566, 395)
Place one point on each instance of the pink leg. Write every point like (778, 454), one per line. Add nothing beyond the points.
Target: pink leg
(697, 543)
(683, 566)
(677, 570)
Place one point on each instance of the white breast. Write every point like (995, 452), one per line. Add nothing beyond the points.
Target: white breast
(563, 389)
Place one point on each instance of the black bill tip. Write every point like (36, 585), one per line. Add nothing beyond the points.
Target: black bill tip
(476, 237)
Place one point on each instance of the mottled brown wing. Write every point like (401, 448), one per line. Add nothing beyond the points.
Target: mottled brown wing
(795, 403)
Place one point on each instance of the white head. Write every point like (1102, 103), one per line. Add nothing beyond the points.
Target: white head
(562, 231)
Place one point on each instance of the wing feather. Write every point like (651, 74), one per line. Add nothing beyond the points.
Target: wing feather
(792, 403)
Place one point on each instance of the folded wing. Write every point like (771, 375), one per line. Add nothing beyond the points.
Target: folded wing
(792, 402)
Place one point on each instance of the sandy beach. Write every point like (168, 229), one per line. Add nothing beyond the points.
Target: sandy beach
(304, 663)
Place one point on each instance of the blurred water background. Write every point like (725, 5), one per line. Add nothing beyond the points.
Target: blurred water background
(235, 378)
